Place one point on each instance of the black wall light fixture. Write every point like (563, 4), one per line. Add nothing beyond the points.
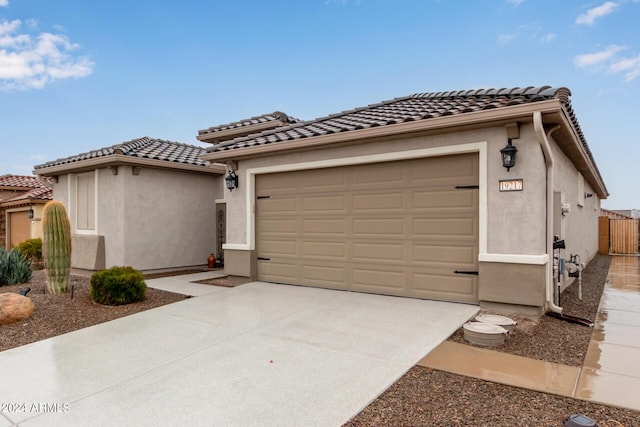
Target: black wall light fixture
(31, 213)
(509, 155)
(231, 180)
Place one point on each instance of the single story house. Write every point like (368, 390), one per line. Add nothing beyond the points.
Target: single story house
(148, 203)
(420, 196)
(22, 198)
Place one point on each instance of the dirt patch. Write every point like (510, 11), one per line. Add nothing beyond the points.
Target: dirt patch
(226, 281)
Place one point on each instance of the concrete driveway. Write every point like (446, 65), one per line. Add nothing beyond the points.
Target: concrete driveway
(258, 354)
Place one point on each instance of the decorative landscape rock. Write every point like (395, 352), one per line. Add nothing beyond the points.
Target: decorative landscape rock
(15, 307)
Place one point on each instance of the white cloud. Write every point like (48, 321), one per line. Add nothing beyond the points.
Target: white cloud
(630, 67)
(31, 61)
(518, 2)
(4, 3)
(548, 38)
(591, 15)
(506, 38)
(592, 59)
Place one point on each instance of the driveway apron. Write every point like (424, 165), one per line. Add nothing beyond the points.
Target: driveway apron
(257, 354)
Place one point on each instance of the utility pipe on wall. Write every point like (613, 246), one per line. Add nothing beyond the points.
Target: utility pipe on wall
(548, 156)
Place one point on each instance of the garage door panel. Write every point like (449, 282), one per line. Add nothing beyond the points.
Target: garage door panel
(369, 279)
(453, 227)
(336, 250)
(324, 275)
(279, 247)
(379, 227)
(452, 255)
(319, 204)
(279, 206)
(385, 174)
(336, 227)
(315, 181)
(461, 284)
(280, 272)
(372, 203)
(442, 199)
(375, 252)
(397, 228)
(279, 226)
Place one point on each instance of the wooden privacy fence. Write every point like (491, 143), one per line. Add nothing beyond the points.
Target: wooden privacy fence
(617, 236)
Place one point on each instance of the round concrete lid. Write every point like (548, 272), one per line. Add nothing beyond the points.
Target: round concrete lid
(484, 328)
(496, 319)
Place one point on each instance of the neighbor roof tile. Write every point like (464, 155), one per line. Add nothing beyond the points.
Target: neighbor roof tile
(148, 148)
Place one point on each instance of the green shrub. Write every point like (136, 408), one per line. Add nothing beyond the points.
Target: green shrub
(14, 267)
(32, 249)
(117, 286)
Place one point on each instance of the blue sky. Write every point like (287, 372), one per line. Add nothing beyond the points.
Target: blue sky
(78, 75)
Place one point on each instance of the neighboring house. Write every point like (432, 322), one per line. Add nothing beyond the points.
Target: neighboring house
(21, 201)
(409, 197)
(147, 203)
(615, 214)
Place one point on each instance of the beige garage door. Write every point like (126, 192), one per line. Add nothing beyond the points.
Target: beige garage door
(405, 228)
(20, 228)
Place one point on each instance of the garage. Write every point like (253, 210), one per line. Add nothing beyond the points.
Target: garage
(406, 228)
(19, 228)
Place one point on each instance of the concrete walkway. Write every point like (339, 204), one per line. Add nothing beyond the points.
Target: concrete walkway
(259, 354)
(611, 372)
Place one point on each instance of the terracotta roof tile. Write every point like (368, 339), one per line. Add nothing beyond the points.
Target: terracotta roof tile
(148, 148)
(419, 106)
(24, 181)
(270, 117)
(43, 193)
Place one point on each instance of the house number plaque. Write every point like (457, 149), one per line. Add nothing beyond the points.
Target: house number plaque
(510, 185)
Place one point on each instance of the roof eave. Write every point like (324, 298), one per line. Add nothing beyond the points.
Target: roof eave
(466, 119)
(22, 202)
(121, 159)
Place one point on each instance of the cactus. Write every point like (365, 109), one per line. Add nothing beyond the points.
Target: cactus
(56, 246)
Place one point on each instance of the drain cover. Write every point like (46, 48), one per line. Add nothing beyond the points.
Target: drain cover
(579, 420)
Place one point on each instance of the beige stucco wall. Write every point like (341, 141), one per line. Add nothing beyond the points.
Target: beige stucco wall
(579, 227)
(153, 220)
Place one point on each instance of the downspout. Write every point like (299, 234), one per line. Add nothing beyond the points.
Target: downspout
(548, 157)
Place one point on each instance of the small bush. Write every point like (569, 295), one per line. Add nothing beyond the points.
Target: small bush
(14, 267)
(117, 286)
(32, 248)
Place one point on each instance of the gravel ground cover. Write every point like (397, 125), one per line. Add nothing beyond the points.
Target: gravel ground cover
(427, 397)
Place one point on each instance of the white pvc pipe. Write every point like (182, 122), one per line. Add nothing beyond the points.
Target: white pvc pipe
(548, 156)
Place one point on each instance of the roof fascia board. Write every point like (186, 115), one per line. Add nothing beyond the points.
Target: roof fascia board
(23, 202)
(121, 159)
(594, 175)
(226, 134)
(476, 117)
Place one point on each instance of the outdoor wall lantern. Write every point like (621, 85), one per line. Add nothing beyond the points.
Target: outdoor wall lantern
(232, 180)
(31, 213)
(509, 155)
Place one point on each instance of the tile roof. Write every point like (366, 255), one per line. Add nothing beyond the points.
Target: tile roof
(24, 181)
(419, 106)
(270, 117)
(43, 193)
(145, 147)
